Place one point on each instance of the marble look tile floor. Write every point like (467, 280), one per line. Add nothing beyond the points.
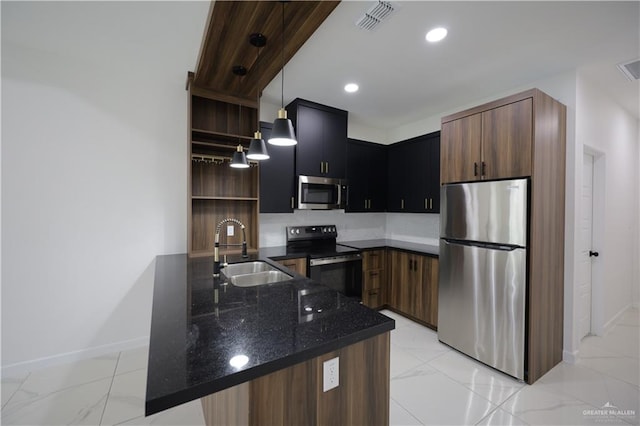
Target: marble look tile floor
(431, 384)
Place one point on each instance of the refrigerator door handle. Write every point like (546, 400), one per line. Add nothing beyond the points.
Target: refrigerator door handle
(490, 246)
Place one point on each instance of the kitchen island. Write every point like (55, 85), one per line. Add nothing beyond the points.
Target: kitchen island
(255, 355)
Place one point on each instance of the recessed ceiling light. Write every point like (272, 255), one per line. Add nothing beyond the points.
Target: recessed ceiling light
(351, 88)
(436, 34)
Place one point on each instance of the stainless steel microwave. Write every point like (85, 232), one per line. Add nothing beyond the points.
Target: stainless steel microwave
(321, 193)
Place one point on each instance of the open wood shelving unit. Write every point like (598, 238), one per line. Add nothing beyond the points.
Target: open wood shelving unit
(218, 123)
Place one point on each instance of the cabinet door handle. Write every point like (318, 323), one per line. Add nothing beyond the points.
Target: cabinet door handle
(365, 204)
(402, 204)
(369, 204)
(410, 265)
(373, 274)
(326, 167)
(321, 167)
(475, 168)
(292, 201)
(484, 168)
(430, 203)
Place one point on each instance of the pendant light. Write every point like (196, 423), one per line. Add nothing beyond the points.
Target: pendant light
(282, 133)
(257, 147)
(239, 159)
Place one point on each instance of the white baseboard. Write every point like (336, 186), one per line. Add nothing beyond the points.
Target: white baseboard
(24, 367)
(570, 357)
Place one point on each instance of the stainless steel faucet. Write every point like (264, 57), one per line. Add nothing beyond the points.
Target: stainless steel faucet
(216, 244)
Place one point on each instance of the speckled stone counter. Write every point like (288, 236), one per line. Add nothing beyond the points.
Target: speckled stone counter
(199, 324)
(428, 249)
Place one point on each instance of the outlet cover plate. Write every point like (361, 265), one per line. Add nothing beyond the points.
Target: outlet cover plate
(331, 374)
(230, 230)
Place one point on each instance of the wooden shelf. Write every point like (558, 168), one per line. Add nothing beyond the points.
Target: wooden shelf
(217, 180)
(206, 197)
(218, 139)
(222, 118)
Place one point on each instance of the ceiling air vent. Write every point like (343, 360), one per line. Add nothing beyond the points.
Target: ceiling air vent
(375, 15)
(631, 69)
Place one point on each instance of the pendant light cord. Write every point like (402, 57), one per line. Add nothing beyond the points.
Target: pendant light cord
(282, 87)
(258, 82)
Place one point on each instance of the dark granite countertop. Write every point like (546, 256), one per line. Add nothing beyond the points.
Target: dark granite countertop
(199, 325)
(428, 249)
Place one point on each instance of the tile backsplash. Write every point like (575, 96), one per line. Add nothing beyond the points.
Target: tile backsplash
(418, 228)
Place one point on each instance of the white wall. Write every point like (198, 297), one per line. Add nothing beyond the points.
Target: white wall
(606, 129)
(94, 132)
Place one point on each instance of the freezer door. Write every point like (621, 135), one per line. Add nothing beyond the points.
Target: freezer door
(491, 211)
(481, 304)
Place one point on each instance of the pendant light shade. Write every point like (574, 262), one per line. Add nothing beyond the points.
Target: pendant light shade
(239, 160)
(282, 133)
(257, 148)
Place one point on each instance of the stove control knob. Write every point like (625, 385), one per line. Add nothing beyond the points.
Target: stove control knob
(333, 229)
(293, 231)
(324, 229)
(297, 231)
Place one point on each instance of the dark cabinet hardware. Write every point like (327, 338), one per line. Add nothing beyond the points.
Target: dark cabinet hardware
(475, 168)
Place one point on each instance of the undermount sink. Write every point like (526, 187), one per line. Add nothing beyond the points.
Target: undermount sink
(249, 274)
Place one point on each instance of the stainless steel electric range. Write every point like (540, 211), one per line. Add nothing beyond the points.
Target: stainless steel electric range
(329, 263)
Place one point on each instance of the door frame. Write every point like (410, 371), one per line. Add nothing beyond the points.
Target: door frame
(598, 290)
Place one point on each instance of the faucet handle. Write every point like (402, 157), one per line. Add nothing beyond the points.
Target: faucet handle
(224, 260)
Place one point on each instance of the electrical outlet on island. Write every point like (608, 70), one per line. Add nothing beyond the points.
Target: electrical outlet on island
(331, 373)
(230, 230)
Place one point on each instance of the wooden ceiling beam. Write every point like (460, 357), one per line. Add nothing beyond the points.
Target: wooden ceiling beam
(227, 44)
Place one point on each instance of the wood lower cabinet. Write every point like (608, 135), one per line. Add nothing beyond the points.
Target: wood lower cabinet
(294, 395)
(413, 282)
(298, 265)
(374, 278)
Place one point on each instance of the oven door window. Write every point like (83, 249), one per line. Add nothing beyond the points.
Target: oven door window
(345, 277)
(313, 193)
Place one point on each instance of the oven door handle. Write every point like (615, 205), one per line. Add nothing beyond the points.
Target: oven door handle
(334, 259)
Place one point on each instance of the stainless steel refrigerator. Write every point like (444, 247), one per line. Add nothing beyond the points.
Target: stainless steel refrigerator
(483, 270)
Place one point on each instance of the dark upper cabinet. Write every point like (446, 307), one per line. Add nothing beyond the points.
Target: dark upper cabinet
(366, 176)
(414, 175)
(277, 177)
(322, 138)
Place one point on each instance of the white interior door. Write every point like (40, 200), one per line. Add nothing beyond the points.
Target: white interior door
(586, 237)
